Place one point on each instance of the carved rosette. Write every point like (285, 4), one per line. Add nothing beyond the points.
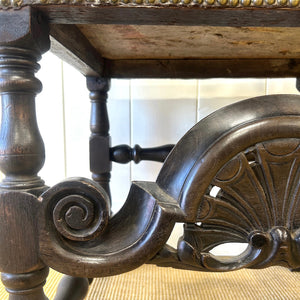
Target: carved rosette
(239, 182)
(257, 203)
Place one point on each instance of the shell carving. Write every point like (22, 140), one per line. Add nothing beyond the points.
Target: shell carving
(257, 203)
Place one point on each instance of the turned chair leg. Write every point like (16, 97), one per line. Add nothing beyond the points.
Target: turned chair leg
(74, 288)
(21, 155)
(100, 162)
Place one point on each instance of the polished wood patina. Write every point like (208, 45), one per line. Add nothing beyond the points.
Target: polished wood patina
(248, 151)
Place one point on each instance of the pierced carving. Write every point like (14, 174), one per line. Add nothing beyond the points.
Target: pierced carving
(239, 183)
(258, 203)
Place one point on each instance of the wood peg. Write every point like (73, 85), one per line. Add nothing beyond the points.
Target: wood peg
(123, 154)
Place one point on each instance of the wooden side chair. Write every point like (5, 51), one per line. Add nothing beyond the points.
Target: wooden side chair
(234, 177)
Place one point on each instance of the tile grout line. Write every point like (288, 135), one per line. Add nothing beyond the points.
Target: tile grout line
(64, 118)
(130, 127)
(197, 101)
(266, 86)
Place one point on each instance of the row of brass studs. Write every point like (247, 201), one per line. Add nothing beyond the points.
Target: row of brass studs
(230, 3)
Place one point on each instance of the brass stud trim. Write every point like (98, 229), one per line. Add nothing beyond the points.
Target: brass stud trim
(5, 4)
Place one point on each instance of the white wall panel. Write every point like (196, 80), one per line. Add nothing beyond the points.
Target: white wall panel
(49, 106)
(162, 111)
(77, 126)
(281, 86)
(118, 105)
(217, 93)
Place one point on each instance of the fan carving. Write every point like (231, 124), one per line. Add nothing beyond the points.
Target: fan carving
(257, 203)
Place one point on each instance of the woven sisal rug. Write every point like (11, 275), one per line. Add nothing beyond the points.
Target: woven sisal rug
(153, 283)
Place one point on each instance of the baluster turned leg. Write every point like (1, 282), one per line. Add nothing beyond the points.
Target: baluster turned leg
(100, 163)
(100, 166)
(23, 38)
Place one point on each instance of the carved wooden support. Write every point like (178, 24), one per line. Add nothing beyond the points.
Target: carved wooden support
(23, 38)
(26, 286)
(21, 147)
(244, 189)
(78, 238)
(100, 164)
(124, 154)
(249, 151)
(253, 160)
(23, 272)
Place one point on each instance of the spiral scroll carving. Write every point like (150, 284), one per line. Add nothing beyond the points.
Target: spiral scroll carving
(78, 209)
(78, 237)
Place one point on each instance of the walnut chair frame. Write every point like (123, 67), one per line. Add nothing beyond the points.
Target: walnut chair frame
(249, 150)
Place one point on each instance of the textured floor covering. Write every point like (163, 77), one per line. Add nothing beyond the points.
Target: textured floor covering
(153, 283)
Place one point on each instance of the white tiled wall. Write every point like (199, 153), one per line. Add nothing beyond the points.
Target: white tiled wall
(216, 93)
(51, 119)
(145, 112)
(161, 112)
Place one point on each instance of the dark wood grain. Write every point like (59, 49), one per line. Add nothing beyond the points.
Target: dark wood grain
(69, 44)
(23, 38)
(185, 67)
(100, 163)
(25, 28)
(28, 286)
(203, 68)
(250, 151)
(168, 15)
(22, 151)
(254, 164)
(130, 238)
(271, 107)
(124, 154)
(254, 161)
(18, 220)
